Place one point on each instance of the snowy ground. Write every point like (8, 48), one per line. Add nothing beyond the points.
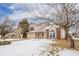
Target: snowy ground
(33, 48)
(25, 47)
(67, 52)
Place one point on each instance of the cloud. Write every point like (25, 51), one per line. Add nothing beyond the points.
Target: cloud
(20, 11)
(24, 6)
(17, 16)
(25, 10)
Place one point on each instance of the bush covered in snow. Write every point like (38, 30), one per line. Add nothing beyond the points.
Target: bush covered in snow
(5, 42)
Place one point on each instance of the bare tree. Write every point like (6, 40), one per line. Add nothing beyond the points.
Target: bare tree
(5, 27)
(66, 18)
(66, 15)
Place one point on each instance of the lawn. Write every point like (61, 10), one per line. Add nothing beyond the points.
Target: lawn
(41, 47)
(66, 43)
(26, 48)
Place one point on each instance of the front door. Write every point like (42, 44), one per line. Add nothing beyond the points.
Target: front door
(52, 35)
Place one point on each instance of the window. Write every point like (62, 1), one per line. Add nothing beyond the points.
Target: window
(32, 28)
(52, 34)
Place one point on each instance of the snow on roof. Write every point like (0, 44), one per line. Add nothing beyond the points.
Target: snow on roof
(42, 30)
(35, 31)
(49, 27)
(10, 34)
(46, 28)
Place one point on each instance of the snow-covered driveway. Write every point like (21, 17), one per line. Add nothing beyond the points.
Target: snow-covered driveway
(25, 48)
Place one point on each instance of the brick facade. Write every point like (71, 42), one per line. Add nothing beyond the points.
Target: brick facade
(58, 33)
(44, 35)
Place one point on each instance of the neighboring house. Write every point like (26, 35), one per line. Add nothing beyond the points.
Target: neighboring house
(45, 31)
(15, 34)
(11, 35)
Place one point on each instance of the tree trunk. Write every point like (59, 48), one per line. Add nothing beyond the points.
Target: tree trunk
(66, 34)
(24, 35)
(3, 37)
(69, 37)
(72, 43)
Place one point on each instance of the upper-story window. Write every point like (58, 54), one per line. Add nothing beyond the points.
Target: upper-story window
(32, 28)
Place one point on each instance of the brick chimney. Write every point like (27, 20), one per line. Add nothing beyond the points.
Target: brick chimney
(58, 33)
(47, 33)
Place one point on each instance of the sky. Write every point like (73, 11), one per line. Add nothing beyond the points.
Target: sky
(17, 11)
(4, 11)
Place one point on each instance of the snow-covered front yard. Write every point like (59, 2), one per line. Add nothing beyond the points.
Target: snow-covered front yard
(25, 48)
(33, 48)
